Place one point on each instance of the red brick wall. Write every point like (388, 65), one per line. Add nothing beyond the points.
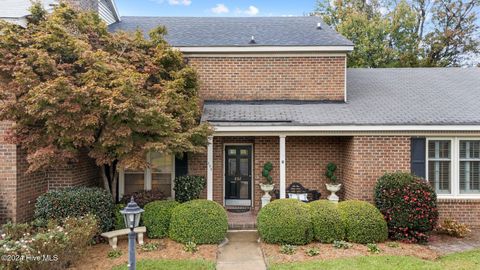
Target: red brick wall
(307, 159)
(271, 78)
(369, 157)
(465, 211)
(8, 179)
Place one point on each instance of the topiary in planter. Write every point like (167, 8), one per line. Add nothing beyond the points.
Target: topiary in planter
(157, 217)
(76, 202)
(363, 222)
(327, 223)
(199, 221)
(409, 205)
(285, 221)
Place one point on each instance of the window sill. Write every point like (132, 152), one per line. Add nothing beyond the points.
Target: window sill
(450, 198)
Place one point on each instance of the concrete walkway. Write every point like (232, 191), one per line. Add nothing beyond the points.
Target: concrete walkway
(242, 252)
(446, 244)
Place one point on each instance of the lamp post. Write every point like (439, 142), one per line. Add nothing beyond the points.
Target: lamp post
(131, 215)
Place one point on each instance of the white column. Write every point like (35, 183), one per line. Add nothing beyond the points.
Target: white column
(147, 175)
(210, 169)
(282, 167)
(121, 182)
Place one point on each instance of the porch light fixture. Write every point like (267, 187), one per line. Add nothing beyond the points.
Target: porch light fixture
(131, 215)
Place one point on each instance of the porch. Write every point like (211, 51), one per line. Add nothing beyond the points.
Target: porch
(238, 161)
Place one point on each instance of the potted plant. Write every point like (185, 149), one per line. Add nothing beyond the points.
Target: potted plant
(333, 186)
(268, 185)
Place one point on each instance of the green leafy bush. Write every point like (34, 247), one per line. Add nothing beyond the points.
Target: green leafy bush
(288, 249)
(373, 248)
(190, 247)
(327, 224)
(77, 202)
(363, 222)
(285, 221)
(60, 244)
(119, 221)
(313, 251)
(114, 253)
(143, 197)
(342, 244)
(188, 187)
(147, 247)
(409, 205)
(157, 218)
(200, 221)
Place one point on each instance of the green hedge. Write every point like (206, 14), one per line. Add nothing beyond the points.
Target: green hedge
(327, 224)
(285, 221)
(157, 218)
(363, 222)
(119, 220)
(200, 221)
(77, 202)
(188, 187)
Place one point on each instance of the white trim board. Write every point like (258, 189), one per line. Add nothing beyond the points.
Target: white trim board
(346, 128)
(266, 49)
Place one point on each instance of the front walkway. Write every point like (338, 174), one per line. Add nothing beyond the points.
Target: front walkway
(444, 244)
(241, 252)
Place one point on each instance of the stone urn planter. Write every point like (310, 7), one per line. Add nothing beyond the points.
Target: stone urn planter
(266, 197)
(333, 188)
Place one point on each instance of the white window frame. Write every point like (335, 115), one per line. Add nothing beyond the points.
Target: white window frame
(147, 178)
(454, 167)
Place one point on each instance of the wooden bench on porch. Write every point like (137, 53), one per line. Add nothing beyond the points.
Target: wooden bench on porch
(297, 191)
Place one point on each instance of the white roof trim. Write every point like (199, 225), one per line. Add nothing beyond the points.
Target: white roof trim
(346, 128)
(266, 49)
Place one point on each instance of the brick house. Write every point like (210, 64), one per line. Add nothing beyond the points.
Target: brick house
(277, 89)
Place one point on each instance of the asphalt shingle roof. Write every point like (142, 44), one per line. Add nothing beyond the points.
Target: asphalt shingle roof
(237, 31)
(409, 96)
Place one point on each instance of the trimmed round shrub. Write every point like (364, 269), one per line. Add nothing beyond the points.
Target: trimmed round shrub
(199, 221)
(409, 205)
(77, 202)
(327, 224)
(157, 217)
(188, 187)
(363, 222)
(285, 221)
(119, 220)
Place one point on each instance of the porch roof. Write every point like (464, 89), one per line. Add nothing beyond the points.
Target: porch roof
(375, 97)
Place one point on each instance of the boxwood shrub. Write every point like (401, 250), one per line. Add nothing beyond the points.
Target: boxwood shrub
(157, 218)
(119, 222)
(77, 202)
(200, 221)
(363, 222)
(327, 224)
(285, 221)
(409, 205)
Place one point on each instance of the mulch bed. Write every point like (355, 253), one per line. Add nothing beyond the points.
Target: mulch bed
(327, 251)
(96, 255)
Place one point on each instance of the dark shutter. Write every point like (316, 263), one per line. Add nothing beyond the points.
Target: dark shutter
(181, 165)
(418, 156)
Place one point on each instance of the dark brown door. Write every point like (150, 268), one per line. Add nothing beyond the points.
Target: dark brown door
(238, 172)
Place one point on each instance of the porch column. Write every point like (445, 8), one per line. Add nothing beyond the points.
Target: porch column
(282, 167)
(210, 169)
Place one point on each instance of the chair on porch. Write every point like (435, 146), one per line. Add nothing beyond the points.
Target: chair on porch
(297, 191)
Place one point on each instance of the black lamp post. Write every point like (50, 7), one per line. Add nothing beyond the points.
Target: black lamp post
(131, 215)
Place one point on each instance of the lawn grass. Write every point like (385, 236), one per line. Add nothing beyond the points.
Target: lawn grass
(457, 261)
(171, 265)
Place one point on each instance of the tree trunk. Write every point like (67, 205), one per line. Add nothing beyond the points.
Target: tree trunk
(110, 177)
(106, 182)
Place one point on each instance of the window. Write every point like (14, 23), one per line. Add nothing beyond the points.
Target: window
(439, 165)
(159, 176)
(453, 166)
(469, 167)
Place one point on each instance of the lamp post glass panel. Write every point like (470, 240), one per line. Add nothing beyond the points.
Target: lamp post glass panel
(131, 215)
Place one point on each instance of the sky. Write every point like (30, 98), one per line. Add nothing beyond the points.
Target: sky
(215, 7)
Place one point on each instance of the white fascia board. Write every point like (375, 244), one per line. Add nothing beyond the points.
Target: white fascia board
(266, 49)
(346, 128)
(115, 10)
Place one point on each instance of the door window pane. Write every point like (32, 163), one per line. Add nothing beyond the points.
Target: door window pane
(244, 162)
(439, 165)
(470, 167)
(232, 166)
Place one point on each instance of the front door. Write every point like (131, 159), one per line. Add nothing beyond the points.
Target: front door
(238, 175)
